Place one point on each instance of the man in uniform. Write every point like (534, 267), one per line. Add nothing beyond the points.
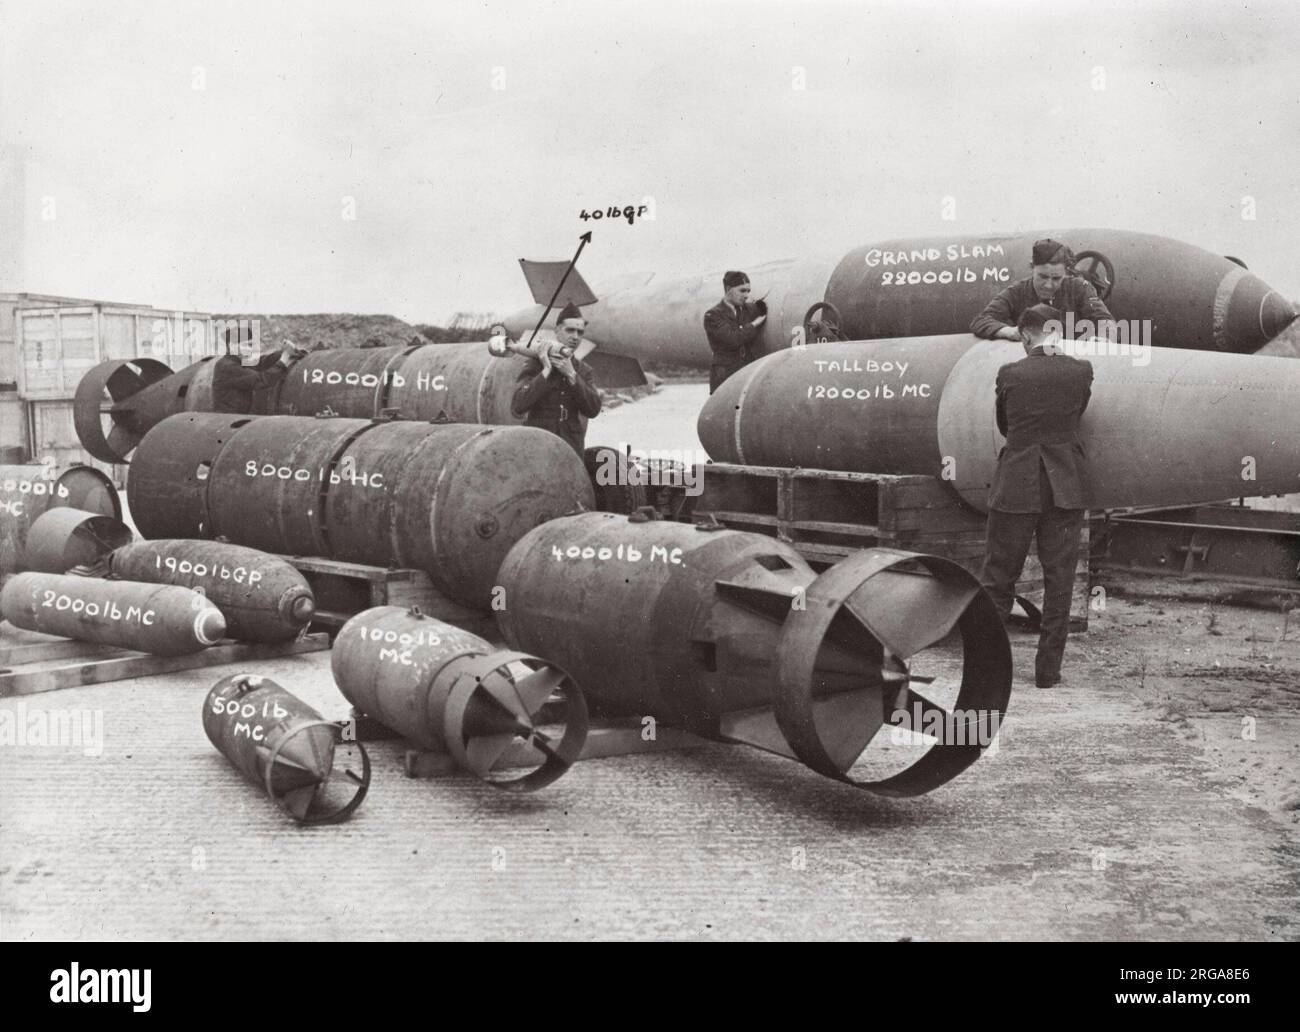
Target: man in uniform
(234, 379)
(732, 326)
(1052, 283)
(1038, 488)
(556, 391)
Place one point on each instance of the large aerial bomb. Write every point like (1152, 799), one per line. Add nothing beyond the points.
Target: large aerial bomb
(733, 636)
(261, 596)
(165, 620)
(28, 491)
(62, 537)
(937, 285)
(117, 403)
(447, 499)
(279, 742)
(1163, 427)
(451, 692)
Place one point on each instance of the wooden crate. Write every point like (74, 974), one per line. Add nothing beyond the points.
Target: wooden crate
(344, 589)
(826, 515)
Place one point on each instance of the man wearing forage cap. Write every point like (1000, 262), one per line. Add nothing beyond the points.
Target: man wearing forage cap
(556, 391)
(732, 326)
(1053, 283)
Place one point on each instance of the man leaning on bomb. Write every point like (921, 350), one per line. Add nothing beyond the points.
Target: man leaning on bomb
(732, 326)
(1052, 282)
(236, 378)
(555, 390)
(1039, 486)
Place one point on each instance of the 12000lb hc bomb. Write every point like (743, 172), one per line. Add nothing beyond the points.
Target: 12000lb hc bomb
(447, 499)
(119, 401)
(278, 741)
(261, 596)
(1162, 428)
(452, 692)
(732, 635)
(164, 620)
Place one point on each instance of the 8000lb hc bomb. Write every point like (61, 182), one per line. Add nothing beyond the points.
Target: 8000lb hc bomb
(447, 499)
(452, 692)
(732, 635)
(278, 741)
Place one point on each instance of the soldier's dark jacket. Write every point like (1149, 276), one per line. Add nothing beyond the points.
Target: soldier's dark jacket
(553, 403)
(1040, 400)
(1075, 294)
(730, 336)
(233, 383)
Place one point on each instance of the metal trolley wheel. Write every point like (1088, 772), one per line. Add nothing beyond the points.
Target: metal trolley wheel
(830, 322)
(1103, 282)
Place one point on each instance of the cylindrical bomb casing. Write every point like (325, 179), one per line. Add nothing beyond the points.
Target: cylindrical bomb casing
(732, 635)
(352, 383)
(1163, 427)
(165, 620)
(447, 499)
(451, 691)
(276, 740)
(28, 491)
(454, 383)
(479, 386)
(62, 538)
(630, 618)
(261, 596)
(447, 383)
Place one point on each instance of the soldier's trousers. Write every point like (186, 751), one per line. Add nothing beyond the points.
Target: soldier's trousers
(1009, 536)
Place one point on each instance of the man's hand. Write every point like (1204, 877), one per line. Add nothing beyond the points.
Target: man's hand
(1008, 333)
(565, 366)
(759, 321)
(290, 353)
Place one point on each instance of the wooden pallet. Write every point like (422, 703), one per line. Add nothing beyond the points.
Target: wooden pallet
(344, 589)
(42, 663)
(826, 515)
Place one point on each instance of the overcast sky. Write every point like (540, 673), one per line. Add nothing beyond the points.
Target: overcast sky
(199, 155)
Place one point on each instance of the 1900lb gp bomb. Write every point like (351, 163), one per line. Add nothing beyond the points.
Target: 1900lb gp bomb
(732, 635)
(261, 596)
(452, 692)
(447, 499)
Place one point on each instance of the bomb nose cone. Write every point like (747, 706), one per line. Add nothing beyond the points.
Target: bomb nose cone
(1276, 313)
(303, 608)
(1248, 313)
(209, 626)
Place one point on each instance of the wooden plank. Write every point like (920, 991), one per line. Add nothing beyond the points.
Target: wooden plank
(356, 571)
(39, 651)
(826, 527)
(40, 677)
